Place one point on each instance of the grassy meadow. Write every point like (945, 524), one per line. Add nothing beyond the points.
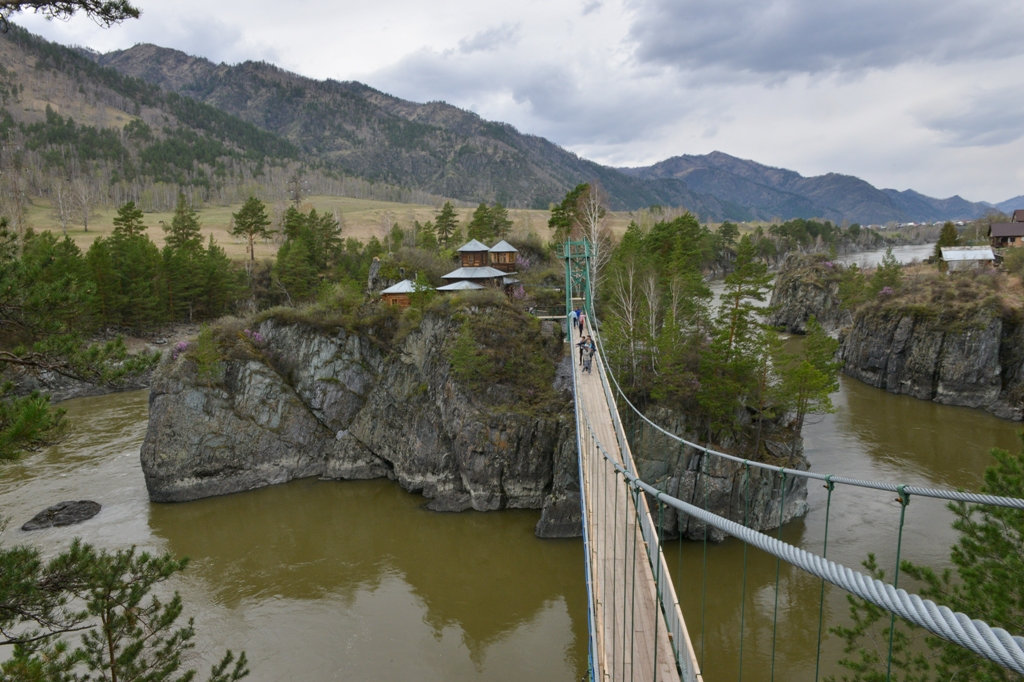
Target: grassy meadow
(359, 218)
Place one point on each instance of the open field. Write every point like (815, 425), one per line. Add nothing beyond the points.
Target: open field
(359, 218)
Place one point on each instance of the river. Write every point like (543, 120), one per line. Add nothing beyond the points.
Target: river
(320, 580)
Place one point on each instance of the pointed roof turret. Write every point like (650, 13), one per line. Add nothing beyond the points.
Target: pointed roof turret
(472, 246)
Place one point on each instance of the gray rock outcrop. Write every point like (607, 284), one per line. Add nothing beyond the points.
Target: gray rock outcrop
(65, 513)
(758, 498)
(807, 286)
(339, 405)
(978, 362)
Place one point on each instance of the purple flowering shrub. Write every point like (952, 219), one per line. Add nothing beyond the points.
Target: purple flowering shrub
(178, 349)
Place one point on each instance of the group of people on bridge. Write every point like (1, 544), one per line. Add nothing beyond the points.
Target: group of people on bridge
(578, 320)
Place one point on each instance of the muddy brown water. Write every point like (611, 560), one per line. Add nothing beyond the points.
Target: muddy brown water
(320, 580)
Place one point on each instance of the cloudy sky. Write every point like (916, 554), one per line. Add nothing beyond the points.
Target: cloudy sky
(906, 94)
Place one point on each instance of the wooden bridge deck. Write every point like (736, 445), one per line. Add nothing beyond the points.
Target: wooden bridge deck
(634, 642)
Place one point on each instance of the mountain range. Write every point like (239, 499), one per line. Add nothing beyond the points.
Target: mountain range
(351, 129)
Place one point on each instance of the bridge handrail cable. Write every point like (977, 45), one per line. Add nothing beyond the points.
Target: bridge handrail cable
(996, 644)
(938, 493)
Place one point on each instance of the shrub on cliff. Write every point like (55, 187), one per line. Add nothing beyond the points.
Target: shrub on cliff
(500, 355)
(961, 300)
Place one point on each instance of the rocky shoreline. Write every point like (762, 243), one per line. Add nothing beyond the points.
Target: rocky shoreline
(333, 404)
(954, 352)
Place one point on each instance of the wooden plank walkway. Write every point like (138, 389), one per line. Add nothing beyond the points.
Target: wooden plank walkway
(633, 641)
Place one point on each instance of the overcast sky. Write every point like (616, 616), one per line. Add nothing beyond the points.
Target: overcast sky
(906, 94)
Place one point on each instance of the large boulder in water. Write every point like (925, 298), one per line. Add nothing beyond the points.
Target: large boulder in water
(63, 514)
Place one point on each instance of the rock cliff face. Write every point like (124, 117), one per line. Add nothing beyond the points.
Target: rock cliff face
(308, 402)
(806, 286)
(941, 339)
(719, 485)
(977, 362)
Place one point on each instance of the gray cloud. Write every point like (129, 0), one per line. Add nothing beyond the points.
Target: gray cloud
(984, 122)
(811, 36)
(497, 37)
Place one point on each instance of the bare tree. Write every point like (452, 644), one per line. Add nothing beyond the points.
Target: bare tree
(625, 299)
(83, 194)
(652, 297)
(592, 212)
(63, 202)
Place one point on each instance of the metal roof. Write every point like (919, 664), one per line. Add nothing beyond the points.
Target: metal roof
(484, 272)
(966, 253)
(503, 247)
(473, 245)
(461, 285)
(1006, 230)
(406, 286)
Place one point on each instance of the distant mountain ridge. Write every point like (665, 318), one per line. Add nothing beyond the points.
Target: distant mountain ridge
(833, 196)
(351, 128)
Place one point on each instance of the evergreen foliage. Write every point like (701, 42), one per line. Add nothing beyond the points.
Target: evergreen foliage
(27, 422)
(311, 251)
(726, 371)
(128, 633)
(565, 216)
(446, 223)
(489, 223)
(251, 221)
(984, 583)
(948, 237)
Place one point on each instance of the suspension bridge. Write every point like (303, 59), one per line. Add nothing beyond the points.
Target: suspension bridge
(637, 629)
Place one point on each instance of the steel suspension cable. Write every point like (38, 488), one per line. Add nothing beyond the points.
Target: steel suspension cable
(821, 596)
(995, 644)
(951, 495)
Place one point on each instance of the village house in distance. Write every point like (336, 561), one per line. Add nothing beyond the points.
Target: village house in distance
(480, 266)
(1011, 234)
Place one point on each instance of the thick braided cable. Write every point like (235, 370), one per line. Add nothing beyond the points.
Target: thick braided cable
(994, 644)
(951, 495)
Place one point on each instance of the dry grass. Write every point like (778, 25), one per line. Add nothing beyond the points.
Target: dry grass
(956, 297)
(361, 219)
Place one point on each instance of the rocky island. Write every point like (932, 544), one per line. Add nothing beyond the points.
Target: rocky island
(954, 338)
(294, 398)
(466, 402)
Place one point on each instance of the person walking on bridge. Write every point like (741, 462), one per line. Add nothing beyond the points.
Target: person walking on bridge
(588, 354)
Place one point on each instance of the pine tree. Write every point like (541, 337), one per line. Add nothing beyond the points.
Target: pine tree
(480, 224)
(251, 221)
(446, 223)
(184, 234)
(183, 262)
(128, 633)
(948, 237)
(128, 221)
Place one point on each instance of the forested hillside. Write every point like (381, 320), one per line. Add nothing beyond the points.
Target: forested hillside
(81, 129)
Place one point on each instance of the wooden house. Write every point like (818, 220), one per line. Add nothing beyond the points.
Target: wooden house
(1004, 235)
(399, 294)
(503, 256)
(474, 254)
(958, 258)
